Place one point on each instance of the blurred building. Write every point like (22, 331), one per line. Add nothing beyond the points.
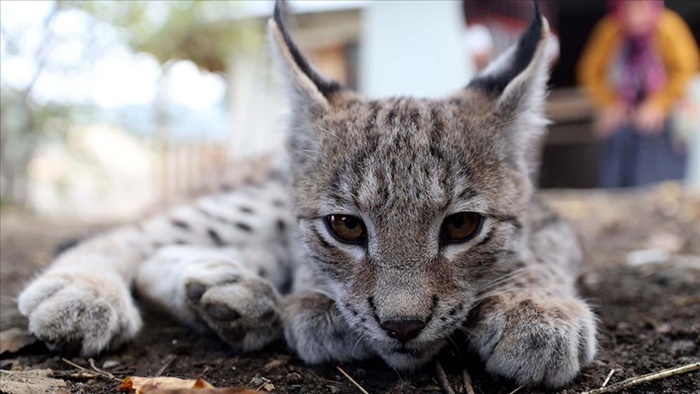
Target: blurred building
(100, 173)
(691, 121)
(104, 173)
(380, 48)
(384, 48)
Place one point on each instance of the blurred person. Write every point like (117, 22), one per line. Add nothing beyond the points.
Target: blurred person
(494, 25)
(637, 63)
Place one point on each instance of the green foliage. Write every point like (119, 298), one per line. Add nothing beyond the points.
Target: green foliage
(204, 32)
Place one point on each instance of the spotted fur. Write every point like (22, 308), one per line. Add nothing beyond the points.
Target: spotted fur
(259, 262)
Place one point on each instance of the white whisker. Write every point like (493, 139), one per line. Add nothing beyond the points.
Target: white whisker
(352, 354)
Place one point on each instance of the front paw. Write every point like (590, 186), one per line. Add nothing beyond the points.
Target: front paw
(317, 332)
(244, 312)
(534, 340)
(80, 312)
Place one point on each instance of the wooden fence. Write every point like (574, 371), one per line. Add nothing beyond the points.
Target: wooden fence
(186, 169)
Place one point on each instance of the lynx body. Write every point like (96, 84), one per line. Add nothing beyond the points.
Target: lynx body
(390, 225)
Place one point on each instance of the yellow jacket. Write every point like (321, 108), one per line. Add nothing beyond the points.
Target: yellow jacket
(675, 44)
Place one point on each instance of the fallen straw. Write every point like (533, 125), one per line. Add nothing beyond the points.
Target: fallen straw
(517, 389)
(362, 390)
(442, 379)
(99, 373)
(167, 363)
(607, 379)
(645, 378)
(467, 380)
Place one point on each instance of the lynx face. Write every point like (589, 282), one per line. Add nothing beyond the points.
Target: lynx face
(407, 219)
(409, 208)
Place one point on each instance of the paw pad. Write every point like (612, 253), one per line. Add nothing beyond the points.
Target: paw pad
(241, 311)
(195, 291)
(222, 312)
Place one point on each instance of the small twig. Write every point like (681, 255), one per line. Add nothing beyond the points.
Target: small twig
(80, 367)
(645, 378)
(204, 371)
(516, 390)
(100, 371)
(362, 390)
(467, 380)
(78, 375)
(605, 383)
(442, 379)
(165, 366)
(72, 364)
(85, 375)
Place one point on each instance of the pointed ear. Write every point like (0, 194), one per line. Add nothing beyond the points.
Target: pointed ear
(516, 85)
(308, 89)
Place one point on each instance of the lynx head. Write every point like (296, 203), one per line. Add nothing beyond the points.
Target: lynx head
(409, 208)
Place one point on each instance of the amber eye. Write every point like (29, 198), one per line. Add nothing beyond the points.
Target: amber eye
(346, 228)
(460, 227)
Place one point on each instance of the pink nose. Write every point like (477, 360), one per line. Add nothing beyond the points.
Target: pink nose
(403, 330)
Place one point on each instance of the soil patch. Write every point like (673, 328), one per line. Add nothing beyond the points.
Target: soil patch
(649, 314)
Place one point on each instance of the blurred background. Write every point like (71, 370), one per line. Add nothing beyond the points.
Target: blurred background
(113, 109)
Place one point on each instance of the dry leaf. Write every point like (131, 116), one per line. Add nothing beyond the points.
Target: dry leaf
(139, 385)
(15, 339)
(168, 385)
(229, 390)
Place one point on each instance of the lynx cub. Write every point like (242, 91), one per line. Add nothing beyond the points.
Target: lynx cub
(395, 223)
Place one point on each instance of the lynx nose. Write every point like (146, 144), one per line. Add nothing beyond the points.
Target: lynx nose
(403, 330)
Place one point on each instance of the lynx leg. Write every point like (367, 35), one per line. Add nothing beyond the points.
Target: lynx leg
(88, 313)
(83, 302)
(213, 289)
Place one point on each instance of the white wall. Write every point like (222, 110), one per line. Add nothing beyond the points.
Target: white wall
(256, 103)
(412, 48)
(693, 176)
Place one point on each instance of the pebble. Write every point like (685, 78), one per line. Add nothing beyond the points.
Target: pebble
(272, 365)
(110, 364)
(293, 378)
(682, 347)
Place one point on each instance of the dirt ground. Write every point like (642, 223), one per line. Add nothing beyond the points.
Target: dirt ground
(649, 313)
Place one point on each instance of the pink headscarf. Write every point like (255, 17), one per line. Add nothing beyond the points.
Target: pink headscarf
(616, 7)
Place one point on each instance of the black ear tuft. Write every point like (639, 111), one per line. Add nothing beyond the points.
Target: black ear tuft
(325, 86)
(495, 83)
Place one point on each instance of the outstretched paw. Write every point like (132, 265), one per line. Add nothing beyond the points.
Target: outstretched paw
(317, 332)
(83, 312)
(534, 340)
(244, 312)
